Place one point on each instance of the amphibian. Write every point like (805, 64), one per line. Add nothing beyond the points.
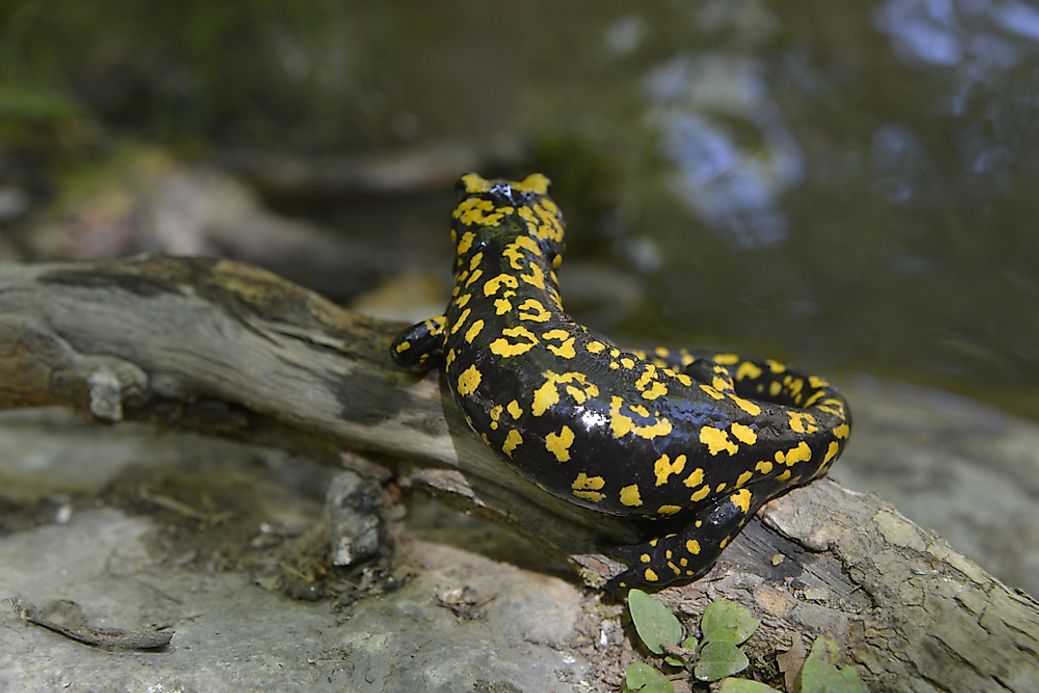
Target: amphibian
(697, 442)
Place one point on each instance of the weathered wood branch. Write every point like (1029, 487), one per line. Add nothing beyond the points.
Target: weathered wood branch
(231, 350)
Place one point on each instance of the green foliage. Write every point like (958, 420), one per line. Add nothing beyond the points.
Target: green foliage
(36, 104)
(655, 624)
(645, 679)
(821, 674)
(718, 660)
(725, 621)
(745, 686)
(725, 626)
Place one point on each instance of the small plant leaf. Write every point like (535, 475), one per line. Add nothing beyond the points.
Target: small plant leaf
(718, 660)
(821, 674)
(645, 679)
(745, 686)
(691, 643)
(655, 624)
(674, 661)
(725, 621)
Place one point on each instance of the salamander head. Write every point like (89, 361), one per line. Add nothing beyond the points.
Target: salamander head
(497, 210)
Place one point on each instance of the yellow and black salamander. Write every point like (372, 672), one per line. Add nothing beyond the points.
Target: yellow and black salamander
(698, 442)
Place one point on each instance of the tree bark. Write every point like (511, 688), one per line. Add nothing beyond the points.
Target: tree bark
(231, 350)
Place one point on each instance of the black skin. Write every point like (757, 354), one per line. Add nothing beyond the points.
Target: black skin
(691, 444)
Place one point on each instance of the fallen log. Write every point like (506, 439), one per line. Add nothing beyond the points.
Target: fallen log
(226, 349)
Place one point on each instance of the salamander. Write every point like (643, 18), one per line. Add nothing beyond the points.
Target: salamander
(691, 443)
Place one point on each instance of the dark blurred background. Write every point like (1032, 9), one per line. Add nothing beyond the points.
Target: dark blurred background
(850, 186)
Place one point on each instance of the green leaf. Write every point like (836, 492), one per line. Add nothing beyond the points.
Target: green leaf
(745, 686)
(691, 643)
(655, 624)
(821, 674)
(718, 660)
(645, 679)
(725, 621)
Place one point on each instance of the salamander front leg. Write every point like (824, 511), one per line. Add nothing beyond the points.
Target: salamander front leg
(420, 347)
(690, 553)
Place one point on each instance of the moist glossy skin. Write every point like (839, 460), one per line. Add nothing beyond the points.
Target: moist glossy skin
(695, 443)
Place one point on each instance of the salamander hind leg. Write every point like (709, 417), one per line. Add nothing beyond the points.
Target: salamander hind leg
(420, 347)
(690, 553)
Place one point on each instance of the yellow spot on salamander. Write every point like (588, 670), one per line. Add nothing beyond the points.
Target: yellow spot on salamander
(831, 451)
(649, 575)
(784, 476)
(628, 362)
(669, 509)
(717, 440)
(492, 286)
(764, 466)
(474, 331)
(535, 183)
(694, 479)
(631, 497)
(402, 347)
(746, 405)
(595, 347)
(700, 493)
(526, 340)
(726, 359)
(495, 413)
(469, 380)
(559, 443)
(460, 321)
(841, 431)
(533, 310)
(774, 388)
(575, 384)
(514, 409)
(565, 348)
(801, 422)
(712, 392)
(748, 370)
(743, 478)
(536, 278)
(741, 499)
(588, 487)
(466, 241)
(512, 441)
(664, 468)
(800, 453)
(463, 299)
(502, 306)
(744, 434)
(692, 546)
(621, 424)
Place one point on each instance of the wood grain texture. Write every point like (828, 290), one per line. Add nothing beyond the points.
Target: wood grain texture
(231, 350)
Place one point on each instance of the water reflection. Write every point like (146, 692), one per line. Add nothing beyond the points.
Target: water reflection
(733, 153)
(970, 34)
